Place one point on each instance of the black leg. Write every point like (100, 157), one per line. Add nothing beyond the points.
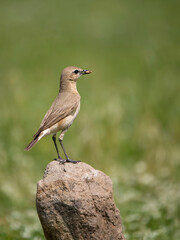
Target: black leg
(54, 140)
(60, 141)
(67, 158)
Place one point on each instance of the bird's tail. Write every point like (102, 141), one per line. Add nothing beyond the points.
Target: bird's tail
(31, 144)
(37, 137)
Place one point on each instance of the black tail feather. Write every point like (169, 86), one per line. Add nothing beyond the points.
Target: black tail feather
(31, 144)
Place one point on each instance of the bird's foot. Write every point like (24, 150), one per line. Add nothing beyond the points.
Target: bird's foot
(60, 160)
(72, 161)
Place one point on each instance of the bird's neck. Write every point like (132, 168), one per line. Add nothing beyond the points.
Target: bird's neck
(68, 86)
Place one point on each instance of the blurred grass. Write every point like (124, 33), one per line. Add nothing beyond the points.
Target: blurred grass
(128, 125)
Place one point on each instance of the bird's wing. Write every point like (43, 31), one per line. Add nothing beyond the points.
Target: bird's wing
(64, 104)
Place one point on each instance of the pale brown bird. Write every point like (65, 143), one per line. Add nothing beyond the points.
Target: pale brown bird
(63, 111)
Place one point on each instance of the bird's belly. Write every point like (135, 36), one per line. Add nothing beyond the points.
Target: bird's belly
(66, 122)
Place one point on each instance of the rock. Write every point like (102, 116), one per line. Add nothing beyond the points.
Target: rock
(75, 202)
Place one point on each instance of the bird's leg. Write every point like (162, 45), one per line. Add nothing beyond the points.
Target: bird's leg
(67, 158)
(63, 149)
(54, 140)
(60, 141)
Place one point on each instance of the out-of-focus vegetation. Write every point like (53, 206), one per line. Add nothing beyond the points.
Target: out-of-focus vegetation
(129, 123)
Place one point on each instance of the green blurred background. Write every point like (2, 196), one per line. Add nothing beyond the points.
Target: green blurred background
(129, 123)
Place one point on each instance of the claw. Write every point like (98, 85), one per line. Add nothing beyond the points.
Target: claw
(72, 161)
(60, 160)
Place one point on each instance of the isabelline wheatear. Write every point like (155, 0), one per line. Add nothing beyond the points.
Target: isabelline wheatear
(63, 111)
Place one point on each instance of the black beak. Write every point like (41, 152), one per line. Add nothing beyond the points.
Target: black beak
(85, 72)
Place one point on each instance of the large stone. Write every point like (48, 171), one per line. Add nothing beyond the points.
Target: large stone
(75, 202)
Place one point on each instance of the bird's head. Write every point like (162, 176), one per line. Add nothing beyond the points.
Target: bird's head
(73, 73)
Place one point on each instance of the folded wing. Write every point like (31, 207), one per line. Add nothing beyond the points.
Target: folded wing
(64, 104)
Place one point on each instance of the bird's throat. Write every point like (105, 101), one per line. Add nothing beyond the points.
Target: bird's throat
(68, 86)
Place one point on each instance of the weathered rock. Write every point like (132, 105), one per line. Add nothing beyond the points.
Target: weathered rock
(75, 202)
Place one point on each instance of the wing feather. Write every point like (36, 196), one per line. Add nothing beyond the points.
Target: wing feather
(64, 104)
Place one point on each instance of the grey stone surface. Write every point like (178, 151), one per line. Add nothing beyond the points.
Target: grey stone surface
(75, 202)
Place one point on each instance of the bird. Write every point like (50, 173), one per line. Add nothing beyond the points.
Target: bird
(62, 112)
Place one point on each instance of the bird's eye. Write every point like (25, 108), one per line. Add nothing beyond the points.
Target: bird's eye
(76, 71)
